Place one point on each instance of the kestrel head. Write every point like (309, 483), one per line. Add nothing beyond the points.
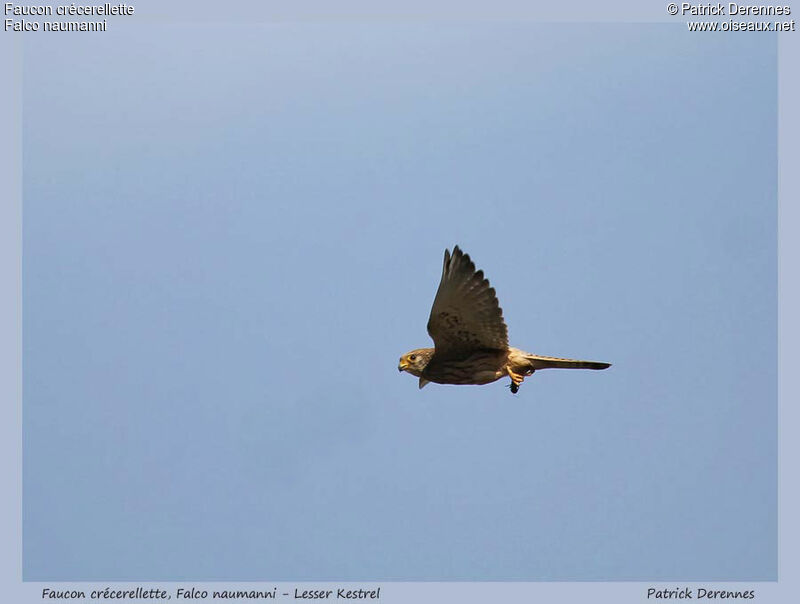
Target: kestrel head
(414, 362)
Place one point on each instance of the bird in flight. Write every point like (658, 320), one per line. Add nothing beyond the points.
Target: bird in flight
(470, 336)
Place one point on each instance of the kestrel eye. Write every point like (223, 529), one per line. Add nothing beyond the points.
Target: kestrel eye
(413, 357)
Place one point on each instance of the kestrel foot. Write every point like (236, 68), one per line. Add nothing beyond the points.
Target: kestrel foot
(516, 380)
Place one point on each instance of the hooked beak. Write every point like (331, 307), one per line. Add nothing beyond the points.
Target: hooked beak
(402, 366)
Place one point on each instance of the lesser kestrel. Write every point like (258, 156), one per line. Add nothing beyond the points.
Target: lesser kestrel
(470, 336)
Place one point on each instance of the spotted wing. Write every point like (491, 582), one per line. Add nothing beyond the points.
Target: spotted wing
(466, 315)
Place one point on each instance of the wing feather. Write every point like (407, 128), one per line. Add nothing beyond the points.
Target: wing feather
(466, 315)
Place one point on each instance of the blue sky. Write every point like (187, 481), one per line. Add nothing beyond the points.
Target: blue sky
(231, 233)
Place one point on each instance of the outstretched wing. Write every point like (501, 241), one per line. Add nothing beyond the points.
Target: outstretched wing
(466, 315)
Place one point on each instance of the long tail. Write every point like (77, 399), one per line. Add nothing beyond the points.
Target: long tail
(541, 362)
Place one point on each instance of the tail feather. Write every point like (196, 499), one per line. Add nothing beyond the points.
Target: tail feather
(542, 362)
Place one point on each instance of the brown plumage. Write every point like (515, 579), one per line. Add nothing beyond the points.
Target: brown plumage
(470, 336)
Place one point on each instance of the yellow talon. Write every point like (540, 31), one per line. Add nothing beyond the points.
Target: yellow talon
(516, 379)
